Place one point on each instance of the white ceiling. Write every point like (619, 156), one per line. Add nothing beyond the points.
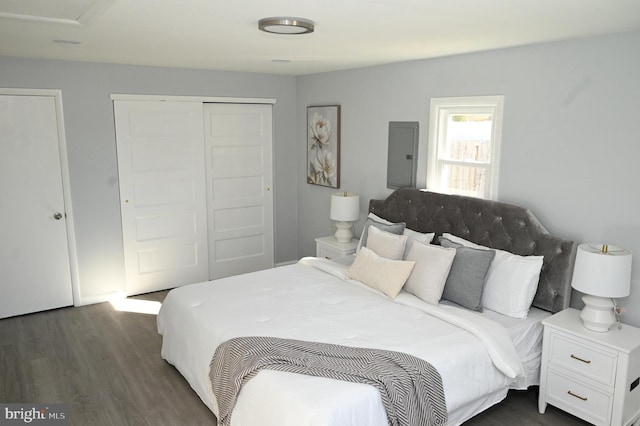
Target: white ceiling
(223, 35)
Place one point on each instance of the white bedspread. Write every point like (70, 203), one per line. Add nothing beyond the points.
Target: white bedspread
(310, 301)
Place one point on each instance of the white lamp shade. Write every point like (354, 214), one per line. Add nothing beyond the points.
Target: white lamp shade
(603, 274)
(345, 206)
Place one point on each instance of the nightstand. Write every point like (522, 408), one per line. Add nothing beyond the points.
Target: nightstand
(330, 248)
(594, 376)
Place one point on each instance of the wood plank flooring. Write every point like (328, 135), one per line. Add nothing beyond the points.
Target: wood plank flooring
(106, 365)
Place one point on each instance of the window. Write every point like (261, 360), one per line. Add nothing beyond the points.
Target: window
(464, 145)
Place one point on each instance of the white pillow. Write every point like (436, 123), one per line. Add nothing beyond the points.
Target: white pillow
(386, 244)
(512, 280)
(412, 236)
(379, 219)
(430, 273)
(385, 275)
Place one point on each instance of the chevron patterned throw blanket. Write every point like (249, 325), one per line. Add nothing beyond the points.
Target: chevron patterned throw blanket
(411, 388)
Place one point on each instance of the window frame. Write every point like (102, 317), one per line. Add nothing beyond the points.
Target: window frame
(440, 110)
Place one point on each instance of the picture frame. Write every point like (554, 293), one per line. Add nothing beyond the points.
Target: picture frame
(323, 145)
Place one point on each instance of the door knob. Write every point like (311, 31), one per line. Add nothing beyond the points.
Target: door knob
(57, 215)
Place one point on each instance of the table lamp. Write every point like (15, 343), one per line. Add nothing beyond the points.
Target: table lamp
(602, 273)
(345, 208)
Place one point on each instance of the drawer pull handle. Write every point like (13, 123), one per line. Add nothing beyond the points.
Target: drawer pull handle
(577, 396)
(580, 359)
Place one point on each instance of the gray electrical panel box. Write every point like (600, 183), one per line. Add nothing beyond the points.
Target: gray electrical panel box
(402, 154)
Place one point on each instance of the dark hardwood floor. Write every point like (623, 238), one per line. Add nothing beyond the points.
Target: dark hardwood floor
(106, 365)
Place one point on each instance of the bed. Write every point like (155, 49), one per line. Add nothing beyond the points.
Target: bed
(479, 352)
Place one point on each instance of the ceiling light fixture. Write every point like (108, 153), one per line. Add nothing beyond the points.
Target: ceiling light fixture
(286, 25)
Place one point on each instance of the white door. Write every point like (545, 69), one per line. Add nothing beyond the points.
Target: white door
(162, 191)
(239, 187)
(34, 251)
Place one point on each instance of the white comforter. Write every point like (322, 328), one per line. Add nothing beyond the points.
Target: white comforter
(312, 301)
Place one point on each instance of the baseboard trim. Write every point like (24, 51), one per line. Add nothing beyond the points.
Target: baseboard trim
(291, 262)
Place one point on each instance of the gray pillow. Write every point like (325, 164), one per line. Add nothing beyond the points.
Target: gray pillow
(467, 276)
(394, 228)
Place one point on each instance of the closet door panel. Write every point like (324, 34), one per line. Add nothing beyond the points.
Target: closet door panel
(163, 193)
(238, 140)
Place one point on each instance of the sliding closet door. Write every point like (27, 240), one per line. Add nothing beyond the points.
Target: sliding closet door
(239, 187)
(162, 193)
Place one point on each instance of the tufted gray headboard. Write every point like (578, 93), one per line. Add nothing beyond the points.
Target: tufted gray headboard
(493, 224)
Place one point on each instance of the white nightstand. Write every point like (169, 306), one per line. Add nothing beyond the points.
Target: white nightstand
(594, 376)
(330, 248)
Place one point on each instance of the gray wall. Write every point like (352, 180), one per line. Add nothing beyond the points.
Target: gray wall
(570, 141)
(89, 125)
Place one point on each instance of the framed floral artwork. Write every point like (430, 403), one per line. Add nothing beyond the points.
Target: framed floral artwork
(323, 145)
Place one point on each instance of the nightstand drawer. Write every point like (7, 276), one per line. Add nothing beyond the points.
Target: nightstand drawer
(329, 248)
(578, 398)
(592, 362)
(327, 252)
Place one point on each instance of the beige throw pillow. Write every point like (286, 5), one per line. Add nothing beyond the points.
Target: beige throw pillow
(430, 272)
(386, 244)
(385, 275)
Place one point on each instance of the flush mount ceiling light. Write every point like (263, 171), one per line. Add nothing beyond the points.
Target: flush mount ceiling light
(286, 25)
